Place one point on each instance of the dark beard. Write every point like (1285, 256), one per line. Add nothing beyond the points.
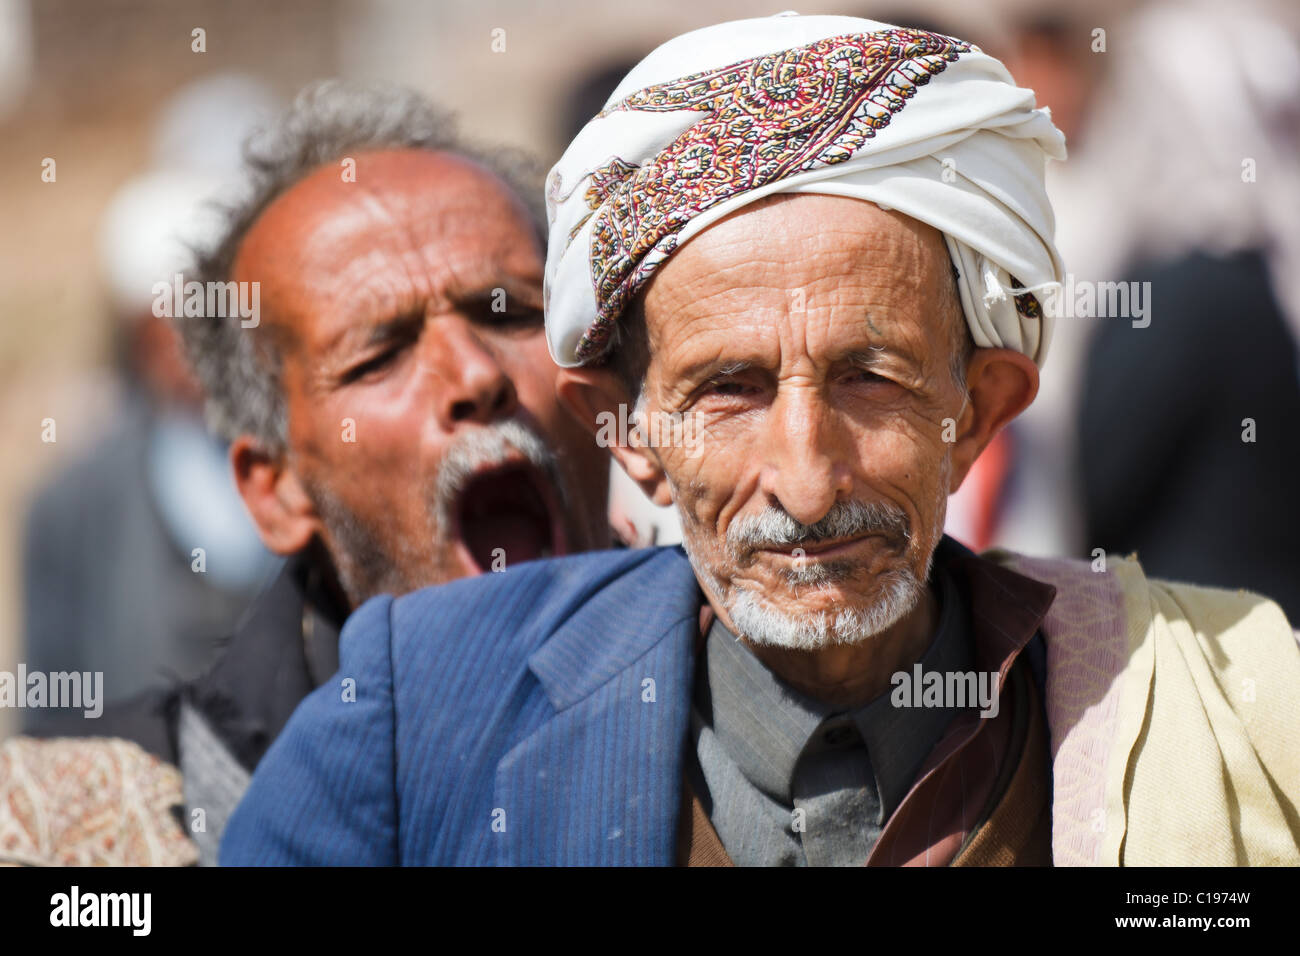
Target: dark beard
(365, 567)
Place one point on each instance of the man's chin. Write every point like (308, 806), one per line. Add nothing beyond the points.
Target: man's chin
(815, 617)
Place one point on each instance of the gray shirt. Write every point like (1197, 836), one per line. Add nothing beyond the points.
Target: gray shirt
(789, 781)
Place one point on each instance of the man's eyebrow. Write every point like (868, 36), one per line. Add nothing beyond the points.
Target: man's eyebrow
(868, 356)
(713, 368)
(873, 354)
(525, 292)
(365, 333)
(397, 327)
(732, 368)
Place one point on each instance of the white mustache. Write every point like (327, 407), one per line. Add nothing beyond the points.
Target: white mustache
(487, 447)
(775, 528)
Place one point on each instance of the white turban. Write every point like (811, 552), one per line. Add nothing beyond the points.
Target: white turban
(718, 118)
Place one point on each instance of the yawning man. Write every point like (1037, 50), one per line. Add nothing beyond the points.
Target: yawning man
(392, 412)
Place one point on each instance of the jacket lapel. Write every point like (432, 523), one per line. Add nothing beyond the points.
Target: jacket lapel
(599, 782)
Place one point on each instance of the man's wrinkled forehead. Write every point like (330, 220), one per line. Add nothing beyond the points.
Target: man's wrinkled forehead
(857, 266)
(336, 239)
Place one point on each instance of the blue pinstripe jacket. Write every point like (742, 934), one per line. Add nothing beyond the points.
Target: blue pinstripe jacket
(535, 716)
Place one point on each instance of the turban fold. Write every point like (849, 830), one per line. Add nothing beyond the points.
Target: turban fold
(715, 119)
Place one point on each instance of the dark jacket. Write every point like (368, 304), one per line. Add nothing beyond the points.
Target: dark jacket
(217, 727)
(1166, 464)
(285, 645)
(106, 586)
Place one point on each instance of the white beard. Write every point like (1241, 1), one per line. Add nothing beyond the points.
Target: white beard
(769, 626)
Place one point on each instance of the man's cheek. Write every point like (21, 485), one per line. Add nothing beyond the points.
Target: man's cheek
(315, 443)
(685, 473)
(385, 417)
(700, 484)
(905, 456)
(532, 372)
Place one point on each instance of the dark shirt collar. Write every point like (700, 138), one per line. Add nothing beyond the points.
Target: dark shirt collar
(285, 646)
(323, 614)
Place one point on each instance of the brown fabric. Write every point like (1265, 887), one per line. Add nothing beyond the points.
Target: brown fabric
(982, 794)
(1019, 830)
(953, 792)
(697, 841)
(707, 616)
(970, 767)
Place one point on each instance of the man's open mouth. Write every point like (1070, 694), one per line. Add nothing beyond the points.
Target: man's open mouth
(508, 513)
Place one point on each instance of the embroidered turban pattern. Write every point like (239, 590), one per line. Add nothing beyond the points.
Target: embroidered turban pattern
(765, 119)
(914, 121)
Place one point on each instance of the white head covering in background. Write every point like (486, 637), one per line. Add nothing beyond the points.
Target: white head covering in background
(149, 231)
(156, 220)
(720, 117)
(1228, 89)
(147, 236)
(17, 53)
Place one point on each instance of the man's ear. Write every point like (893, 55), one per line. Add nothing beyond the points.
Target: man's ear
(285, 516)
(1001, 383)
(597, 398)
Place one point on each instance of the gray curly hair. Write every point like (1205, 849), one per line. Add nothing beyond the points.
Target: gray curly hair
(240, 368)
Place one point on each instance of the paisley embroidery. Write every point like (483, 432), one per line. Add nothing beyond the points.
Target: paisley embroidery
(765, 119)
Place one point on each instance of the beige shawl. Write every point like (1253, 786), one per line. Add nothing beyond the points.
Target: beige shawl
(1175, 720)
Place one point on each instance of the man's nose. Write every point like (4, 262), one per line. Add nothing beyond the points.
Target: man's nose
(473, 387)
(805, 468)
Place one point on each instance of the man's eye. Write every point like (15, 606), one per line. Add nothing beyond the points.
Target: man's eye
(864, 376)
(513, 316)
(370, 365)
(518, 318)
(731, 389)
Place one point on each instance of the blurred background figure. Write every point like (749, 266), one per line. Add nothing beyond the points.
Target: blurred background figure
(139, 555)
(1023, 492)
(15, 53)
(1177, 439)
(1189, 429)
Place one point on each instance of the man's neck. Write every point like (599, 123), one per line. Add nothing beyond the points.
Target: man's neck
(848, 676)
(320, 583)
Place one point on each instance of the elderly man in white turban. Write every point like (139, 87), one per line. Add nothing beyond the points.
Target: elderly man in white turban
(794, 277)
